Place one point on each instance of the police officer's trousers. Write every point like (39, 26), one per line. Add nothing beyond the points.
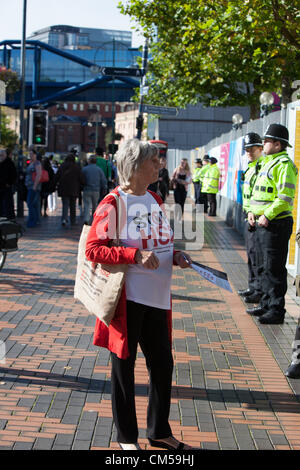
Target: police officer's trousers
(251, 247)
(272, 244)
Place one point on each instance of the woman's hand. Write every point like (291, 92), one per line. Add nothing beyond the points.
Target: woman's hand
(182, 259)
(147, 259)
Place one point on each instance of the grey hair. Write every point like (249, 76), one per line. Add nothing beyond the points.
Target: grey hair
(130, 156)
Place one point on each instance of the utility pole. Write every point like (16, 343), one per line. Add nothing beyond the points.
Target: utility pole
(20, 204)
(113, 109)
(140, 119)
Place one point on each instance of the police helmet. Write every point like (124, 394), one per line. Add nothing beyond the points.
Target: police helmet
(252, 139)
(278, 132)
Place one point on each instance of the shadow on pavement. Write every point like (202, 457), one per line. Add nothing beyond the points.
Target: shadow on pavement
(254, 400)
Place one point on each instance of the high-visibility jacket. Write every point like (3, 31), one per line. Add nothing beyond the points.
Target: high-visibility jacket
(196, 175)
(211, 179)
(248, 181)
(275, 186)
(204, 169)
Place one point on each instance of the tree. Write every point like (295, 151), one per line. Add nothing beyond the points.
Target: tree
(221, 53)
(10, 79)
(8, 138)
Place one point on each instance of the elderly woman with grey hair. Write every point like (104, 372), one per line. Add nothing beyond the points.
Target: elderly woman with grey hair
(143, 314)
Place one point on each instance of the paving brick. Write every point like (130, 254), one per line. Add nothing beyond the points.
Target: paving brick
(229, 389)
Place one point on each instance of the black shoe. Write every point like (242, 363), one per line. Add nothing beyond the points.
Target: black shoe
(245, 292)
(293, 371)
(252, 299)
(271, 318)
(256, 311)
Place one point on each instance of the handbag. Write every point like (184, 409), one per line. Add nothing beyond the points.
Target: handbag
(98, 286)
(44, 176)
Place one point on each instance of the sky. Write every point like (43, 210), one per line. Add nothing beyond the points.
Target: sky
(102, 14)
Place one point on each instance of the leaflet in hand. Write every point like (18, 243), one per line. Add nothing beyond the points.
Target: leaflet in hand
(212, 275)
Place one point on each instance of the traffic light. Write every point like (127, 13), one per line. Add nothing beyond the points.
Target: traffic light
(113, 148)
(139, 124)
(38, 127)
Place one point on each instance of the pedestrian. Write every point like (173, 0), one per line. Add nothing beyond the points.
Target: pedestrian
(253, 148)
(69, 179)
(293, 371)
(204, 169)
(94, 188)
(163, 179)
(196, 181)
(181, 178)
(143, 314)
(104, 163)
(47, 187)
(52, 198)
(8, 177)
(33, 185)
(271, 206)
(110, 169)
(211, 186)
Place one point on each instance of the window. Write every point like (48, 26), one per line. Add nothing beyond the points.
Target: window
(83, 40)
(74, 106)
(66, 106)
(106, 108)
(81, 107)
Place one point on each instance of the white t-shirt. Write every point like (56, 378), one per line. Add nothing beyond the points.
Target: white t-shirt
(148, 229)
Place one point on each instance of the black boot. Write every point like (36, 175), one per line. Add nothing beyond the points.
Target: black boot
(245, 292)
(293, 371)
(271, 318)
(252, 299)
(256, 311)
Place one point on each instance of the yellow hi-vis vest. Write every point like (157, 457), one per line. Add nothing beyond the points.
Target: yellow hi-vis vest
(248, 181)
(211, 180)
(274, 189)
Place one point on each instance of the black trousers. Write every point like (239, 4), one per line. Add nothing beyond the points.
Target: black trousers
(197, 191)
(272, 244)
(7, 203)
(148, 327)
(180, 196)
(212, 201)
(251, 248)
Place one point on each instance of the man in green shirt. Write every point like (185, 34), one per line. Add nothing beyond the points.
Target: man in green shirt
(270, 209)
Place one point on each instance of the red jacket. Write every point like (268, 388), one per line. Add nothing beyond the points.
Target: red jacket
(114, 337)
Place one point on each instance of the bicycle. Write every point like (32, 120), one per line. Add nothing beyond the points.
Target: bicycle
(10, 232)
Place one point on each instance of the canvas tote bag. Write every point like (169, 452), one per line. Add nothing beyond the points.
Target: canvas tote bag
(98, 286)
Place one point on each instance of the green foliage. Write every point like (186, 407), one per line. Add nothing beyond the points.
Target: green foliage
(220, 53)
(10, 79)
(8, 138)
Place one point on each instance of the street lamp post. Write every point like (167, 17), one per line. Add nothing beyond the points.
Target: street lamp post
(266, 102)
(237, 121)
(140, 119)
(20, 203)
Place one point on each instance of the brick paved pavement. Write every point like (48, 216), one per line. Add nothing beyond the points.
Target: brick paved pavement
(229, 389)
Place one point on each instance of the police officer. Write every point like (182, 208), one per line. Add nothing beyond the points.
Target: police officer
(253, 147)
(204, 169)
(211, 185)
(270, 208)
(196, 181)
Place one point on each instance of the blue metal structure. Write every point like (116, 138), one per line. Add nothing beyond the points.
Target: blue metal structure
(54, 75)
